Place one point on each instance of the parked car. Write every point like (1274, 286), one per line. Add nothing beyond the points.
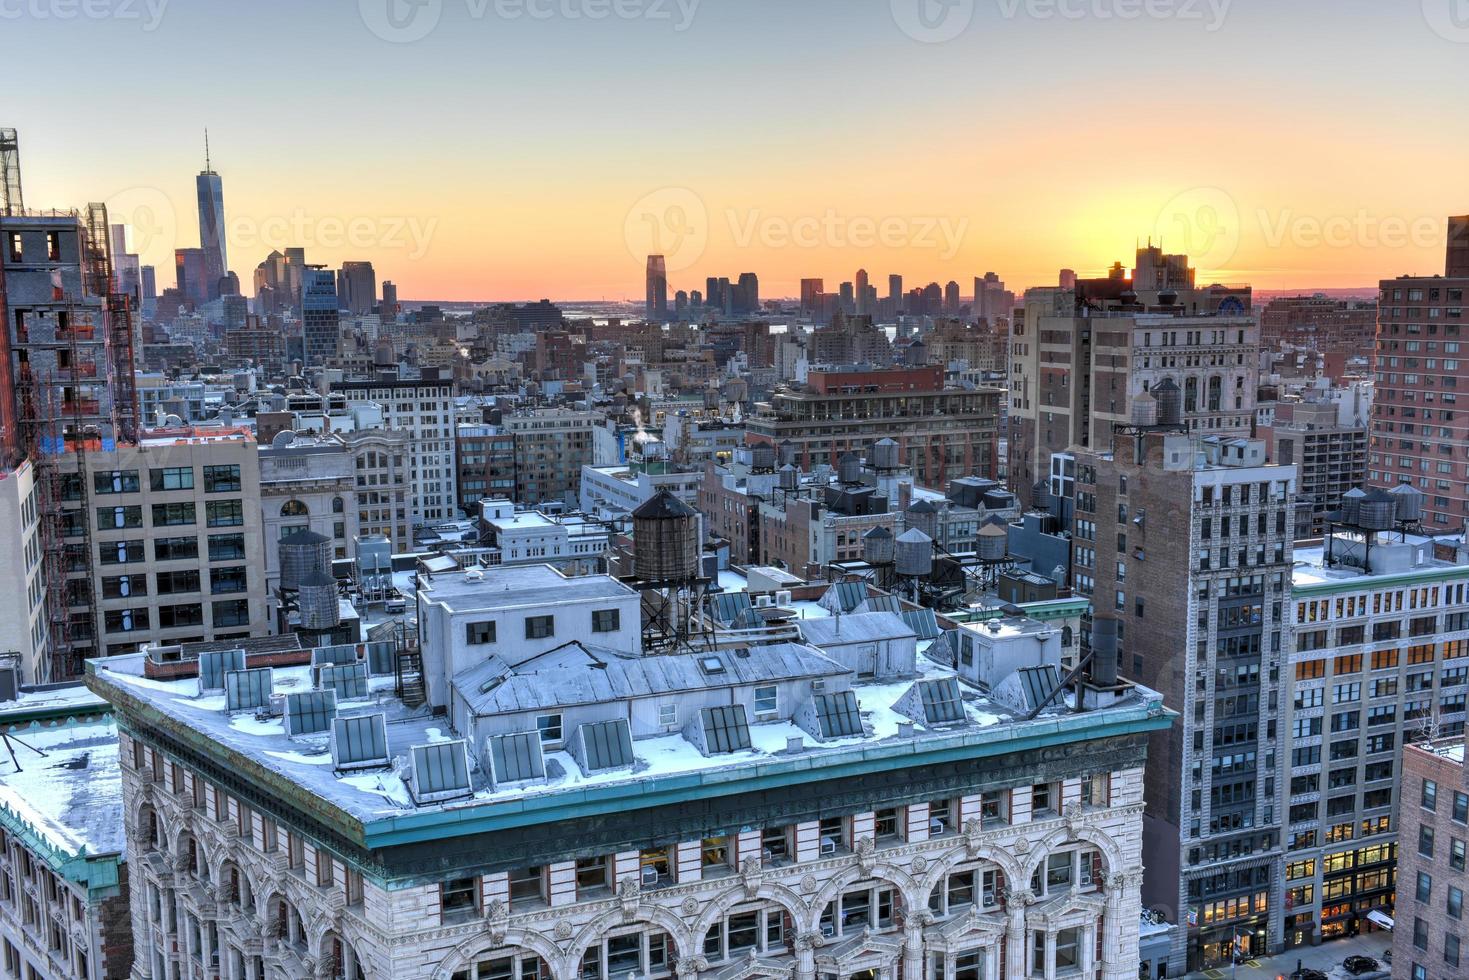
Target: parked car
(1306, 973)
(1358, 965)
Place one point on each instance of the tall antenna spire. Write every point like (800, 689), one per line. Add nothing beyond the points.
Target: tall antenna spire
(207, 168)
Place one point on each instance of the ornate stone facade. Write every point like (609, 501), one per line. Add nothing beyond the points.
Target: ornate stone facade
(980, 886)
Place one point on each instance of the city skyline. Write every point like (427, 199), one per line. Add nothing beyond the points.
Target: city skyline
(1061, 173)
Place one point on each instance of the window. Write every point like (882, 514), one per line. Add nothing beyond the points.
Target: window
(667, 715)
(115, 481)
(224, 513)
(121, 552)
(170, 515)
(223, 581)
(222, 479)
(550, 727)
(591, 874)
(224, 547)
(1044, 799)
(1425, 886)
(476, 634)
(459, 898)
(171, 478)
(526, 886)
(115, 518)
(172, 583)
(1429, 798)
(606, 620)
(1455, 903)
(767, 700)
(714, 852)
(539, 627)
(1425, 842)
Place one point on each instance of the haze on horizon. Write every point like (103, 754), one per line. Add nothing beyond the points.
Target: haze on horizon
(512, 155)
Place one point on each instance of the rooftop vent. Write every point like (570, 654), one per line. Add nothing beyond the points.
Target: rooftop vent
(214, 664)
(310, 712)
(516, 757)
(247, 690)
(440, 771)
(360, 742)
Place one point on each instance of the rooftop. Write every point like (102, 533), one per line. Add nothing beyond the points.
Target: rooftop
(510, 585)
(1392, 557)
(66, 795)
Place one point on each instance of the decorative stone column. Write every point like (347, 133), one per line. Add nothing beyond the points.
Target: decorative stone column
(1015, 902)
(913, 950)
(1113, 965)
(806, 946)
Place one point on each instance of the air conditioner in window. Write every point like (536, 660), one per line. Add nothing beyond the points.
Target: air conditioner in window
(828, 930)
(988, 900)
(937, 826)
(828, 845)
(650, 877)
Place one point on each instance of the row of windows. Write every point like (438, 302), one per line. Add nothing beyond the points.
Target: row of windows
(223, 478)
(541, 627)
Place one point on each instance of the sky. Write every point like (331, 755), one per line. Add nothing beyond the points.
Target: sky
(519, 149)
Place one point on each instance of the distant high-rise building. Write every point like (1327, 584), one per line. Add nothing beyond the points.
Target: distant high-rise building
(748, 293)
(148, 275)
(951, 297)
(211, 224)
(1083, 382)
(860, 289)
(848, 298)
(657, 299)
(390, 299)
(356, 287)
(319, 321)
(681, 304)
(895, 293)
(696, 299)
(191, 270)
(293, 276)
(991, 298)
(811, 290)
(933, 300)
(1417, 430)
(1458, 251)
(1067, 279)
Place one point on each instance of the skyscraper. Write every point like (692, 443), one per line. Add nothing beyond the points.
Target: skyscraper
(357, 287)
(657, 300)
(1416, 427)
(895, 293)
(211, 224)
(811, 290)
(861, 291)
(319, 304)
(390, 299)
(192, 275)
(951, 297)
(748, 293)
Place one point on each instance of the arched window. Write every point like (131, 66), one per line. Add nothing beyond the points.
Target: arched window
(295, 508)
(338, 507)
(1066, 636)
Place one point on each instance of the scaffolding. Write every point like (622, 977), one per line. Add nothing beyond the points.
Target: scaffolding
(13, 202)
(118, 331)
